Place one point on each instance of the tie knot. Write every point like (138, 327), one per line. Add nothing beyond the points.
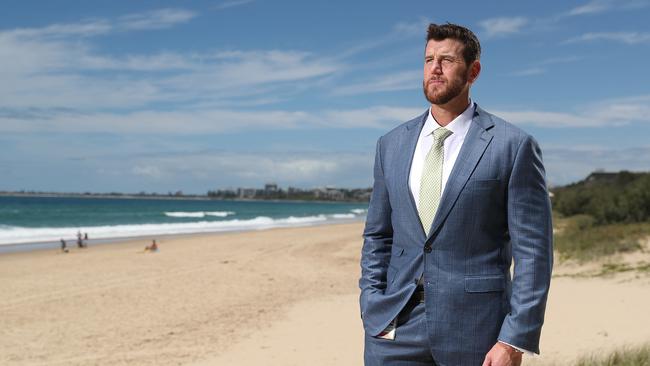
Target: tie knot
(440, 134)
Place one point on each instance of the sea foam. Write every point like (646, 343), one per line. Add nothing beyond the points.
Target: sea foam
(200, 214)
(17, 235)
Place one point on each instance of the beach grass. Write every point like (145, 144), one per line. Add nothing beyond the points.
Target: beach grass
(578, 237)
(629, 356)
(613, 268)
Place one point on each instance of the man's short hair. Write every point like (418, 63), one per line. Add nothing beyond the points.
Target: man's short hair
(472, 47)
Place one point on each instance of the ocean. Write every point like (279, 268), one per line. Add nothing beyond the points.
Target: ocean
(46, 220)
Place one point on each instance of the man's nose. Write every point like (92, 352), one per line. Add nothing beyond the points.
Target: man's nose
(436, 67)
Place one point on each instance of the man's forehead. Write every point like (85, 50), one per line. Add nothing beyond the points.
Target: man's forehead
(448, 45)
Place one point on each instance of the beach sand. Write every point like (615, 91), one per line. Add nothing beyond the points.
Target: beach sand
(272, 297)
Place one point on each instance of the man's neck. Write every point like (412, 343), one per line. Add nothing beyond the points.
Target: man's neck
(445, 113)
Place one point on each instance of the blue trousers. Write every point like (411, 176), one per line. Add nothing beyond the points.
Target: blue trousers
(410, 346)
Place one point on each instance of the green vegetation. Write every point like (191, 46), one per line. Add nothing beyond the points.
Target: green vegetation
(578, 237)
(605, 214)
(637, 356)
(607, 197)
(612, 268)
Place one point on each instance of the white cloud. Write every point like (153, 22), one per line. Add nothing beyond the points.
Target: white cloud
(635, 108)
(65, 48)
(399, 33)
(559, 60)
(529, 71)
(156, 19)
(147, 171)
(541, 67)
(206, 120)
(86, 28)
(548, 118)
(613, 112)
(623, 37)
(592, 7)
(503, 26)
(165, 61)
(232, 4)
(48, 73)
(196, 122)
(253, 67)
(380, 117)
(403, 80)
(411, 29)
(162, 163)
(601, 6)
(222, 169)
(566, 165)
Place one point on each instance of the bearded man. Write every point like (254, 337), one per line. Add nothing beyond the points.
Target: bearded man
(458, 195)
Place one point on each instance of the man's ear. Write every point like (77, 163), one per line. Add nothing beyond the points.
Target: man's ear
(474, 71)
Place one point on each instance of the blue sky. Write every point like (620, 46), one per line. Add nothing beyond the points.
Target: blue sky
(161, 96)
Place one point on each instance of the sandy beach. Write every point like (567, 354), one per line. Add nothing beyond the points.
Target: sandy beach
(272, 297)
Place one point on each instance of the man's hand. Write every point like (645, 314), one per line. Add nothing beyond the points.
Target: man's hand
(502, 355)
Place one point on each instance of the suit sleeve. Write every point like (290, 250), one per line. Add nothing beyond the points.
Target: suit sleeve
(531, 234)
(377, 238)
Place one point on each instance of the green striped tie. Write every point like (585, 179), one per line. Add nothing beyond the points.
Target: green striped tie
(431, 183)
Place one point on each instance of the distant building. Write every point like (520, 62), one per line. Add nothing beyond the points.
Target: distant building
(229, 192)
(336, 195)
(601, 176)
(270, 188)
(246, 192)
(294, 190)
(225, 193)
(362, 195)
(329, 193)
(274, 192)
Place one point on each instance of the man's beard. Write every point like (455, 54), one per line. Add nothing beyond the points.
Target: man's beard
(445, 96)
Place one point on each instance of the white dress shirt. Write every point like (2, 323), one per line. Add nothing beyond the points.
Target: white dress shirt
(459, 126)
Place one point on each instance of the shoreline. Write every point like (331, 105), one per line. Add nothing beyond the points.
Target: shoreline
(52, 245)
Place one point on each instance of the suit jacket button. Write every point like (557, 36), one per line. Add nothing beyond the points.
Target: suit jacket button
(427, 248)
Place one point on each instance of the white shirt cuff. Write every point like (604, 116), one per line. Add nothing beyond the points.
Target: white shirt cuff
(525, 351)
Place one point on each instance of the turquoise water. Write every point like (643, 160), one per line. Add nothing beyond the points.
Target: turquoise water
(48, 219)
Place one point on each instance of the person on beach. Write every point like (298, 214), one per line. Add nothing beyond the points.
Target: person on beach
(458, 195)
(64, 246)
(80, 240)
(151, 248)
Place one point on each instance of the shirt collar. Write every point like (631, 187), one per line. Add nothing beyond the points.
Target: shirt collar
(458, 125)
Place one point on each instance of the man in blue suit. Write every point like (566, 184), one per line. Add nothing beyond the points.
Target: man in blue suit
(459, 194)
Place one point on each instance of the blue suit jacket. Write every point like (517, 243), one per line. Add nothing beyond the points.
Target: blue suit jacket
(495, 208)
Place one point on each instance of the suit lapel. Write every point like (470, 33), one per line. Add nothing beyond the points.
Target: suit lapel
(476, 141)
(409, 141)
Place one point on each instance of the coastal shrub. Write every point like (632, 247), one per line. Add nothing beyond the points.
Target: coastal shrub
(580, 238)
(635, 356)
(608, 198)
